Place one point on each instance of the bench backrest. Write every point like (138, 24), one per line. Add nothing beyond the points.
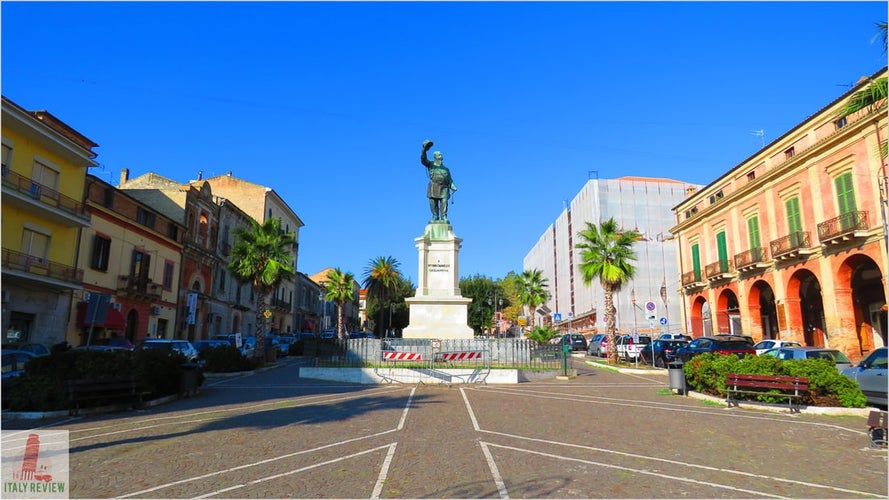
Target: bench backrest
(767, 381)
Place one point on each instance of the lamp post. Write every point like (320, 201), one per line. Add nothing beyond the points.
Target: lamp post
(391, 307)
(323, 305)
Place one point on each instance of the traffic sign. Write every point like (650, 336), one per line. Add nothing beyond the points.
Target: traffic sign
(650, 306)
(557, 317)
(663, 321)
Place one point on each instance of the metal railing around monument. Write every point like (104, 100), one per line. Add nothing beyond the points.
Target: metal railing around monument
(508, 353)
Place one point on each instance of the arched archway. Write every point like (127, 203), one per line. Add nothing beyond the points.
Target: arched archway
(861, 302)
(132, 325)
(805, 308)
(696, 320)
(762, 311)
(728, 318)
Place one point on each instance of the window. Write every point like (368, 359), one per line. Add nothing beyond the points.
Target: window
(751, 175)
(45, 175)
(35, 244)
(173, 231)
(696, 261)
(845, 193)
(716, 197)
(753, 232)
(789, 153)
(169, 267)
(145, 217)
(840, 123)
(108, 197)
(722, 251)
(794, 221)
(101, 251)
(140, 267)
(6, 158)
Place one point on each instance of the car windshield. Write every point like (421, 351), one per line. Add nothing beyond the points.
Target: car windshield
(835, 356)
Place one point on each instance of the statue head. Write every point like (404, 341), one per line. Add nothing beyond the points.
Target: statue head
(436, 157)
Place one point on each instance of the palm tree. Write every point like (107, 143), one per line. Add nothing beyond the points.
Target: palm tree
(532, 290)
(870, 96)
(339, 289)
(607, 254)
(543, 334)
(261, 256)
(381, 280)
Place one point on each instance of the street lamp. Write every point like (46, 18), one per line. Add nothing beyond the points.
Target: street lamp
(391, 307)
(323, 305)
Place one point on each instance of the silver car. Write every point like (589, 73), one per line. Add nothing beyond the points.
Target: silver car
(871, 377)
(764, 345)
(786, 353)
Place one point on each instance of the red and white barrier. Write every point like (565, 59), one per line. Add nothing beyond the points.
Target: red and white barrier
(460, 356)
(402, 356)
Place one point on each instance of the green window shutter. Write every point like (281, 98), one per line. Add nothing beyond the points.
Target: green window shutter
(845, 193)
(722, 251)
(794, 221)
(753, 232)
(696, 260)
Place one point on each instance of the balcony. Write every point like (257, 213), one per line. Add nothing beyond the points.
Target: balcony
(139, 288)
(793, 246)
(281, 304)
(24, 193)
(30, 266)
(755, 258)
(693, 281)
(720, 270)
(847, 227)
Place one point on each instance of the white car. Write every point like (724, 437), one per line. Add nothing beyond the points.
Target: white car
(764, 345)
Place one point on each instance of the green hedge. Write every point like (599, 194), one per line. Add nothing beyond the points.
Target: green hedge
(42, 386)
(226, 359)
(827, 386)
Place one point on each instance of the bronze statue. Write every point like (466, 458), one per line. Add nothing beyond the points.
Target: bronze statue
(440, 183)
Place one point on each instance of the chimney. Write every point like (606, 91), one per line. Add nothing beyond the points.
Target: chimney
(229, 173)
(200, 175)
(124, 176)
(690, 190)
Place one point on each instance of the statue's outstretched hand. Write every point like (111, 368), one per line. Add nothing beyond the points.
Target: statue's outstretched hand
(427, 144)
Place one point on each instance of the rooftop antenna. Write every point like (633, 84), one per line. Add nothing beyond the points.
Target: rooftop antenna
(761, 134)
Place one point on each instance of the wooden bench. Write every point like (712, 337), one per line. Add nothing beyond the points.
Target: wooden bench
(103, 390)
(792, 388)
(876, 429)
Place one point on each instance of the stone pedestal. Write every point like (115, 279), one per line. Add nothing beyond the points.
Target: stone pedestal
(437, 310)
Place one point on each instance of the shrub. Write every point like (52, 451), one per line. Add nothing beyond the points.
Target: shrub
(706, 373)
(226, 359)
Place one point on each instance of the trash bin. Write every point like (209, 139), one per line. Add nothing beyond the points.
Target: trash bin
(190, 379)
(677, 376)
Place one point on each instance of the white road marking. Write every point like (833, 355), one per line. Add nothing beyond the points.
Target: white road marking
(273, 459)
(498, 479)
(295, 471)
(655, 459)
(384, 472)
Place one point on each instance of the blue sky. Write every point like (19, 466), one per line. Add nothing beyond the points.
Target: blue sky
(328, 103)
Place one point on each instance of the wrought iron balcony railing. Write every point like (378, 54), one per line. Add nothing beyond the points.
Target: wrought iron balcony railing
(38, 266)
(693, 279)
(795, 244)
(843, 228)
(719, 270)
(753, 258)
(133, 285)
(42, 194)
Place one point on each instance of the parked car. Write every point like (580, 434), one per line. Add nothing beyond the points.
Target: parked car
(870, 374)
(785, 353)
(628, 346)
(725, 344)
(183, 347)
(13, 363)
(674, 336)
(284, 343)
(203, 345)
(664, 351)
(232, 338)
(764, 345)
(575, 340)
(328, 334)
(32, 347)
(100, 347)
(595, 344)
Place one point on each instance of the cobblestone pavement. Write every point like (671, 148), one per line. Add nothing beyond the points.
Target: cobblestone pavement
(601, 435)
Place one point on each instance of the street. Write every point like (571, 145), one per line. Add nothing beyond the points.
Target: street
(601, 435)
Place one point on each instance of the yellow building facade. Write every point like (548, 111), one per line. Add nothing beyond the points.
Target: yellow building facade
(44, 165)
(791, 243)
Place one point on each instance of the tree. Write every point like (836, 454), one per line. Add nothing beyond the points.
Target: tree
(382, 280)
(261, 256)
(532, 290)
(339, 289)
(607, 254)
(543, 334)
(870, 96)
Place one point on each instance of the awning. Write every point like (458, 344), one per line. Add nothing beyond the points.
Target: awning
(114, 320)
